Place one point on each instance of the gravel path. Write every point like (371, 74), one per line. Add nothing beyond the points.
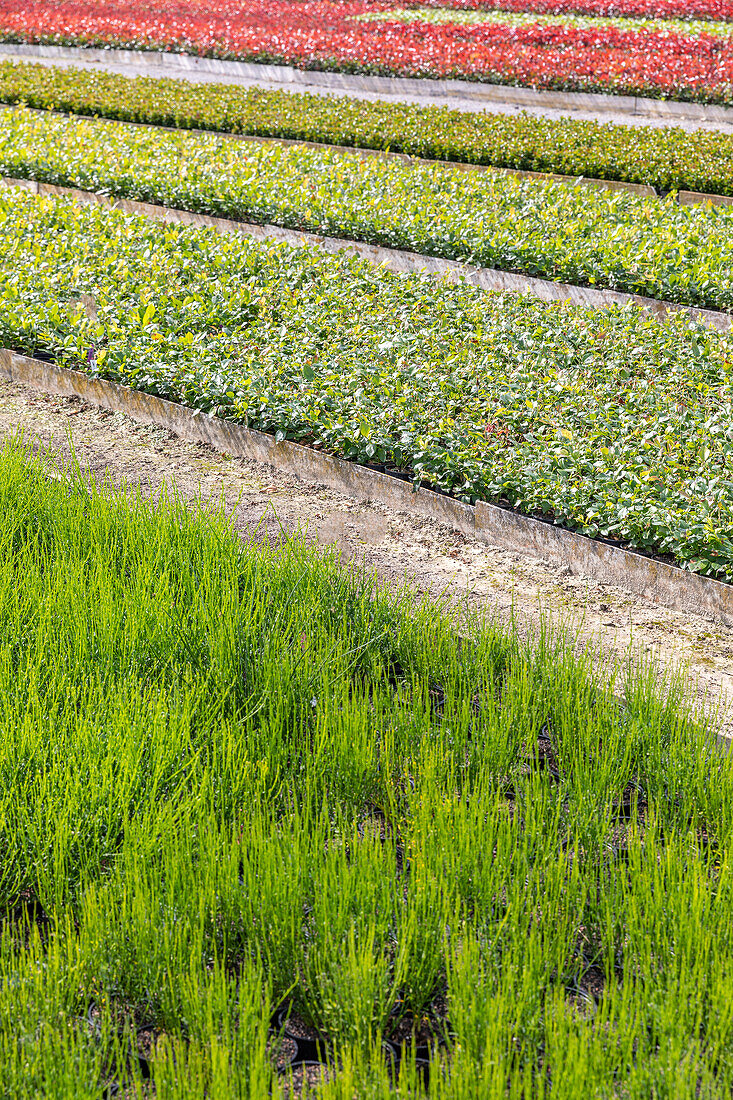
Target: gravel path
(435, 559)
(462, 96)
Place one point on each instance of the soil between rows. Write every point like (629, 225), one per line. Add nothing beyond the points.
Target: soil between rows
(434, 558)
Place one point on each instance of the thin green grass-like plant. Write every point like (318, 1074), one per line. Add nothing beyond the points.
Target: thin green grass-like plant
(241, 782)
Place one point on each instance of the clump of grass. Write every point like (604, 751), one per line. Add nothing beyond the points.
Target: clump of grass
(237, 776)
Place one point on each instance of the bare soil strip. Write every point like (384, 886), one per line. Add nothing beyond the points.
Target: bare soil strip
(435, 559)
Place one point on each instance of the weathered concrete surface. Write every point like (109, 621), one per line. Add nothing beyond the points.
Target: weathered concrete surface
(666, 584)
(485, 278)
(692, 198)
(226, 436)
(460, 95)
(655, 580)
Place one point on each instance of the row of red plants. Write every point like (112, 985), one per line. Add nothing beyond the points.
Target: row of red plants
(323, 34)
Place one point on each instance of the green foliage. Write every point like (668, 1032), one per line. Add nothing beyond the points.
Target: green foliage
(607, 422)
(667, 158)
(225, 780)
(573, 234)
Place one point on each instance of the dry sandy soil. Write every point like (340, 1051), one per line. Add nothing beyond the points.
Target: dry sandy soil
(435, 559)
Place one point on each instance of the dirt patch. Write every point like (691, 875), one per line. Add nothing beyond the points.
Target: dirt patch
(432, 557)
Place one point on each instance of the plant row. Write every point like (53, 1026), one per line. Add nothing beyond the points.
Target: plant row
(666, 158)
(477, 17)
(327, 34)
(606, 422)
(233, 772)
(652, 9)
(573, 234)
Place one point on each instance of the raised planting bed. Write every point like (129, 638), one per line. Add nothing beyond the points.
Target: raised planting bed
(258, 811)
(606, 422)
(614, 240)
(663, 158)
(676, 62)
(391, 259)
(597, 559)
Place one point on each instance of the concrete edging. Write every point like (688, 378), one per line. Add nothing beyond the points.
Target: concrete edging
(666, 584)
(693, 198)
(343, 82)
(484, 278)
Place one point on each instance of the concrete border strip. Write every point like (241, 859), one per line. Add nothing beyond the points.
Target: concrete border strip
(345, 82)
(692, 198)
(666, 584)
(484, 278)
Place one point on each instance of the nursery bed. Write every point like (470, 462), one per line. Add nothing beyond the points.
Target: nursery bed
(614, 240)
(662, 158)
(487, 397)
